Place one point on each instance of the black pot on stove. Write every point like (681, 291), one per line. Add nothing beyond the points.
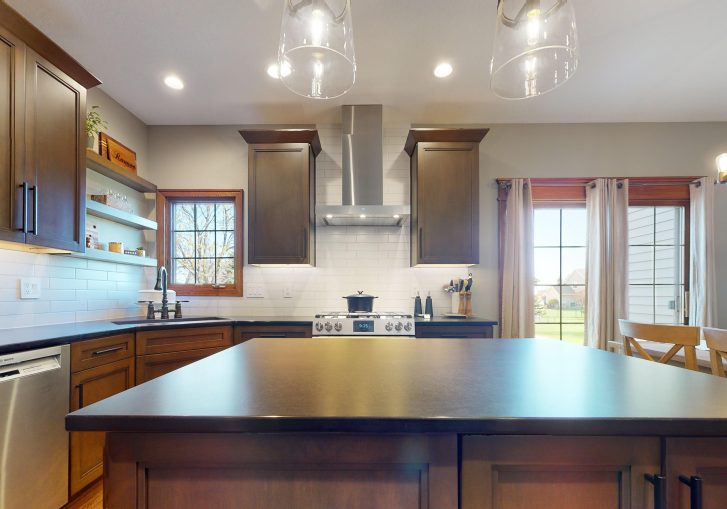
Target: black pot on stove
(360, 302)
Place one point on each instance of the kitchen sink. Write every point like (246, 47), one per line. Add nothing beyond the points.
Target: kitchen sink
(169, 321)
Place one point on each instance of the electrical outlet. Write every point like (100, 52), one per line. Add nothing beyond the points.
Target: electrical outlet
(287, 292)
(29, 288)
(254, 291)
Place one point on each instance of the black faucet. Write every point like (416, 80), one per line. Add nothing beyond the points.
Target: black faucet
(162, 274)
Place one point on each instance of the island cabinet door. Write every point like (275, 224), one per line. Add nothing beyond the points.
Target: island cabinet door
(87, 387)
(509, 472)
(280, 471)
(694, 467)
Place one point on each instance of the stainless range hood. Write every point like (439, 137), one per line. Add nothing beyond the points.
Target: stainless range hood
(362, 141)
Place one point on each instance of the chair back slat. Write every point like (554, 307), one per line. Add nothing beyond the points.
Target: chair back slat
(679, 336)
(717, 342)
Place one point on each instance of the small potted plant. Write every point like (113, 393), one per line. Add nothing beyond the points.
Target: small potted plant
(140, 251)
(94, 125)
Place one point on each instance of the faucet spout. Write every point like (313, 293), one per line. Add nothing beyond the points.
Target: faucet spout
(163, 276)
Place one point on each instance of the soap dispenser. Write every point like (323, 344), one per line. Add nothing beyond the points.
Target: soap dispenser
(417, 305)
(428, 309)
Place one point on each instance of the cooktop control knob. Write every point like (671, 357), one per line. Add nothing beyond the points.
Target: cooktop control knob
(398, 326)
(389, 326)
(407, 326)
(319, 326)
(329, 327)
(338, 326)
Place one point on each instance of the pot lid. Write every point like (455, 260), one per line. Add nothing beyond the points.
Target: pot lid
(360, 294)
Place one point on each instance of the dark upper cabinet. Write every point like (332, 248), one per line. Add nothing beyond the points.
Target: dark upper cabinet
(12, 88)
(444, 195)
(42, 141)
(281, 190)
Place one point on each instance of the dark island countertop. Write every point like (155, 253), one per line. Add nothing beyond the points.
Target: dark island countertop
(401, 385)
(42, 336)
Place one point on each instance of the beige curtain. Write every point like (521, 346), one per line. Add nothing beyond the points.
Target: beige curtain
(518, 272)
(607, 207)
(703, 291)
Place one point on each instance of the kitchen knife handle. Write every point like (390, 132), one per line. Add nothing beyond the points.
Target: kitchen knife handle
(24, 215)
(659, 482)
(695, 490)
(35, 209)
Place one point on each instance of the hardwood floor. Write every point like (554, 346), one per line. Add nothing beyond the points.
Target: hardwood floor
(91, 498)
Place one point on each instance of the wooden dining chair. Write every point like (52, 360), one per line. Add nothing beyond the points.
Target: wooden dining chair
(717, 342)
(679, 336)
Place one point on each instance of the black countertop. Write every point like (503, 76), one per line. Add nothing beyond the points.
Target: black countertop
(391, 385)
(28, 338)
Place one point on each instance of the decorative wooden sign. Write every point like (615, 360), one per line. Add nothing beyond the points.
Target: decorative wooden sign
(116, 152)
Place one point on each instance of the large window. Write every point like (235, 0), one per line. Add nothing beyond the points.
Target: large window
(560, 273)
(201, 245)
(657, 264)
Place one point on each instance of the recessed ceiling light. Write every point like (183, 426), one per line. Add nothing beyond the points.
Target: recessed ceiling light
(329, 216)
(174, 82)
(443, 70)
(362, 216)
(396, 216)
(275, 71)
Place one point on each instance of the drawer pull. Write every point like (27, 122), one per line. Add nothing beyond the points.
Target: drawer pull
(659, 482)
(107, 350)
(695, 490)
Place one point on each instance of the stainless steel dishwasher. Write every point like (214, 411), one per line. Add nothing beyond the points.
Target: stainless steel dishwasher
(33, 440)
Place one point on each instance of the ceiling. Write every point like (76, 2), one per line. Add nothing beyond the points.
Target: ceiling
(641, 61)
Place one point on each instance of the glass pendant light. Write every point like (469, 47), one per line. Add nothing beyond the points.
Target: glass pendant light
(536, 47)
(316, 45)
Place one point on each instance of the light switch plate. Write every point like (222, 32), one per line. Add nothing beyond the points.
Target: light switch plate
(287, 292)
(255, 291)
(29, 288)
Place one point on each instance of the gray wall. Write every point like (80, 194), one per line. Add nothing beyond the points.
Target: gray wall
(216, 156)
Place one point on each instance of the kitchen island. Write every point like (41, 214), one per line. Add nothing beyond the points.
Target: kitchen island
(372, 422)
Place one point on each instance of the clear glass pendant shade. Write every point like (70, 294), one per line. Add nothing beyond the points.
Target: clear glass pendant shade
(536, 47)
(316, 46)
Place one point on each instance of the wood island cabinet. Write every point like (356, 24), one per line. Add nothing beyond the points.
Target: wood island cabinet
(162, 351)
(444, 195)
(281, 190)
(516, 472)
(247, 332)
(704, 458)
(100, 368)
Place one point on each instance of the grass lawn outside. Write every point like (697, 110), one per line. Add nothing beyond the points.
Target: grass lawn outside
(572, 332)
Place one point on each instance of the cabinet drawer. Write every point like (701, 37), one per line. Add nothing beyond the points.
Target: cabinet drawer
(178, 340)
(452, 331)
(246, 332)
(149, 367)
(95, 352)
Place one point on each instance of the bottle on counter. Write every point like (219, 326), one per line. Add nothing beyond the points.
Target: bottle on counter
(417, 305)
(428, 308)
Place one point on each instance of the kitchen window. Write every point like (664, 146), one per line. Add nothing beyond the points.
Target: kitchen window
(200, 241)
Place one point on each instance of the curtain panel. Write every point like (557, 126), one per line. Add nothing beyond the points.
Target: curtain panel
(703, 291)
(517, 313)
(607, 205)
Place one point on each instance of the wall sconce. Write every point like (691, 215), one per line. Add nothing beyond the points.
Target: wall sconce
(722, 168)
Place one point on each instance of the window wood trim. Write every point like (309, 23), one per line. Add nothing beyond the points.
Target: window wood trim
(165, 198)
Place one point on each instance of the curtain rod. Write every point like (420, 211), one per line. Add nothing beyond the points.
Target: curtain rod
(508, 184)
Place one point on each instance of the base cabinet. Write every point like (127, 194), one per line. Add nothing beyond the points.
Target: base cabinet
(518, 472)
(247, 332)
(104, 375)
(424, 330)
(149, 367)
(703, 458)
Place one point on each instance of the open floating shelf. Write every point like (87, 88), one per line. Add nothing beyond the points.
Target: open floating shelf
(105, 167)
(97, 209)
(109, 256)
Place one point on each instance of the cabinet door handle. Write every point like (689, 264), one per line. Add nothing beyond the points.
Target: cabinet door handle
(80, 395)
(107, 350)
(659, 482)
(35, 209)
(24, 215)
(695, 490)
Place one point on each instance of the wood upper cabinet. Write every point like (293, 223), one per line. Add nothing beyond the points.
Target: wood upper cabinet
(515, 472)
(100, 368)
(281, 189)
(12, 90)
(444, 195)
(54, 156)
(42, 141)
(705, 458)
